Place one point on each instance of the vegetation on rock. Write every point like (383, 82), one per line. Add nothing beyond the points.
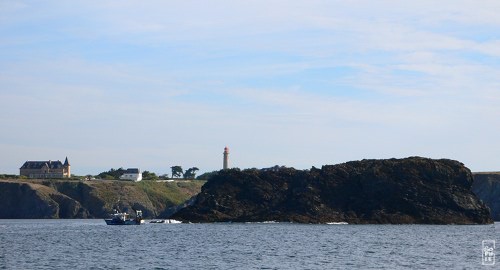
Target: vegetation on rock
(90, 199)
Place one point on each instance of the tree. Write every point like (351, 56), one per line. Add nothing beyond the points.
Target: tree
(190, 173)
(112, 174)
(146, 175)
(177, 171)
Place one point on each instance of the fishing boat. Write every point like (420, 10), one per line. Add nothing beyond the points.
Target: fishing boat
(122, 218)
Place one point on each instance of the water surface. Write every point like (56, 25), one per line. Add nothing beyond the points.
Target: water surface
(91, 244)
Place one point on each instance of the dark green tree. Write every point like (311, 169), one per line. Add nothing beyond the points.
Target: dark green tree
(112, 174)
(147, 175)
(177, 171)
(190, 173)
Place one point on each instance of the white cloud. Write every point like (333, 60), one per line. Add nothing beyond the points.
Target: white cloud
(408, 78)
(490, 48)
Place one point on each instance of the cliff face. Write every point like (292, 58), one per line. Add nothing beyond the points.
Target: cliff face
(411, 190)
(28, 200)
(487, 187)
(94, 199)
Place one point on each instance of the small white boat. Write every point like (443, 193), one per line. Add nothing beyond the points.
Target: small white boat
(118, 218)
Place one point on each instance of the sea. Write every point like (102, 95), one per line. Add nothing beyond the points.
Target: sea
(91, 244)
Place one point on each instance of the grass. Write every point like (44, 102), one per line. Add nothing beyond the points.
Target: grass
(165, 194)
(160, 194)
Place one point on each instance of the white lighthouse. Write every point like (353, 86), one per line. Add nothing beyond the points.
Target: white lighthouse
(225, 164)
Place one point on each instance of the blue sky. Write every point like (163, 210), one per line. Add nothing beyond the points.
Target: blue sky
(153, 84)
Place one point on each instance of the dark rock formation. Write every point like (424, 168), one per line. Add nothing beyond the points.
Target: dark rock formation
(411, 190)
(487, 187)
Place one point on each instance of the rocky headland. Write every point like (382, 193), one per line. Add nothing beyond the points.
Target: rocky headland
(487, 187)
(396, 191)
(91, 199)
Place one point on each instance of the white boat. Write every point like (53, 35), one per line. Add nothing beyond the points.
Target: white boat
(118, 218)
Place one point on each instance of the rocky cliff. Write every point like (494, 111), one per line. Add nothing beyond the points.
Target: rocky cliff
(90, 199)
(411, 190)
(487, 187)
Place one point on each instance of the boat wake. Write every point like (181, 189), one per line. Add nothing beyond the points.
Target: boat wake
(165, 221)
(263, 222)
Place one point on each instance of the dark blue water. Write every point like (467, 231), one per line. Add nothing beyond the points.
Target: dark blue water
(90, 244)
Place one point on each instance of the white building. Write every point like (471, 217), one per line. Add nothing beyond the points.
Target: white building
(133, 174)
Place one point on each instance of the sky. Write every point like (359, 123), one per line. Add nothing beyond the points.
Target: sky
(154, 84)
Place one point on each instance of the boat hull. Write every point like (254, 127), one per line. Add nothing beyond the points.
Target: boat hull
(123, 222)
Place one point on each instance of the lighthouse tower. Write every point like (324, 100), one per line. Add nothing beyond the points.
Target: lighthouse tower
(225, 164)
